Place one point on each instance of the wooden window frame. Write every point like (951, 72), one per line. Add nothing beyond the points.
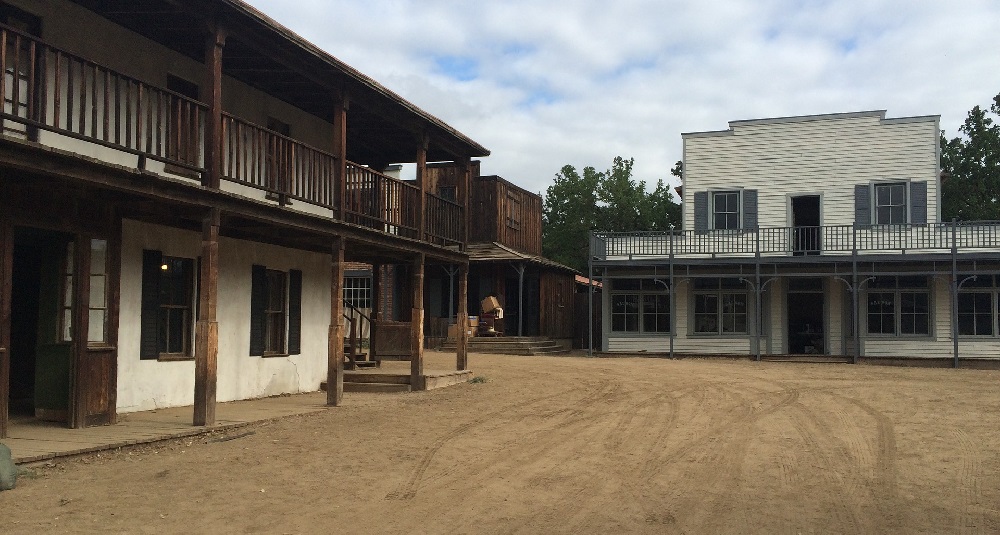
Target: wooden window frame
(358, 295)
(903, 205)
(737, 214)
(721, 294)
(895, 294)
(641, 290)
(187, 309)
(276, 314)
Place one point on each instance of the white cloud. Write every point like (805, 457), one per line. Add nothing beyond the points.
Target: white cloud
(582, 82)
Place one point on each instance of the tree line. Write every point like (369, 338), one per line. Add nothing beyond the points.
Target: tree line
(612, 200)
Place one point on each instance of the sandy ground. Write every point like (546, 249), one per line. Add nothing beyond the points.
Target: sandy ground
(570, 445)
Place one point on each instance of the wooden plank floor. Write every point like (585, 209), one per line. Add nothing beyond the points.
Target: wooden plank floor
(32, 440)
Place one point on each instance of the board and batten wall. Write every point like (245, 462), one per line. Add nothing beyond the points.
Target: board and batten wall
(824, 155)
(152, 384)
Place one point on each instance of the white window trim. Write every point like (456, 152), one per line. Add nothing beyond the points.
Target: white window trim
(739, 209)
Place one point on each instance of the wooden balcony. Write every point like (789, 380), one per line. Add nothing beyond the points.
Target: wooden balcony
(833, 241)
(60, 99)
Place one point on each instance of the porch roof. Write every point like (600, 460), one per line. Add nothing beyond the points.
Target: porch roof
(268, 56)
(495, 252)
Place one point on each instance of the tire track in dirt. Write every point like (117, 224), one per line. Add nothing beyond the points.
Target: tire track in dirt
(513, 413)
(971, 518)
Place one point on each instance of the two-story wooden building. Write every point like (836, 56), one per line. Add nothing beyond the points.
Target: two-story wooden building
(817, 235)
(181, 185)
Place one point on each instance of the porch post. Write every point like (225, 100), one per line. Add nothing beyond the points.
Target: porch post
(206, 349)
(213, 123)
(520, 299)
(335, 353)
(341, 103)
(422, 182)
(6, 284)
(417, 325)
(80, 327)
(376, 309)
(464, 188)
(463, 318)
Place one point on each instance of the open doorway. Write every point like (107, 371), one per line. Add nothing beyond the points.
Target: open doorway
(806, 324)
(40, 342)
(806, 235)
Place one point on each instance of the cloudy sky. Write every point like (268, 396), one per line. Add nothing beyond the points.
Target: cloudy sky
(545, 84)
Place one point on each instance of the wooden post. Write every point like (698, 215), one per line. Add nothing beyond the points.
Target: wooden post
(213, 123)
(462, 357)
(341, 103)
(6, 285)
(464, 189)
(80, 388)
(376, 311)
(417, 325)
(206, 342)
(422, 182)
(335, 353)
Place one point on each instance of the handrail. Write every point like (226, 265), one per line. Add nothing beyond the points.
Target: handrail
(264, 159)
(378, 201)
(57, 91)
(788, 241)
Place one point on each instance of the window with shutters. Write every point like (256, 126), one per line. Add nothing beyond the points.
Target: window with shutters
(275, 312)
(726, 210)
(890, 204)
(167, 316)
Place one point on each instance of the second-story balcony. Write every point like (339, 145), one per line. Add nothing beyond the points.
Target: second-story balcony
(62, 100)
(832, 241)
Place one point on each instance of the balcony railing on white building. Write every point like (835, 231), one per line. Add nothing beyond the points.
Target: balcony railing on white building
(831, 240)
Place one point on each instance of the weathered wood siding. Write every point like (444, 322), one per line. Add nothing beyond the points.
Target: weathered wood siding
(504, 213)
(821, 155)
(556, 305)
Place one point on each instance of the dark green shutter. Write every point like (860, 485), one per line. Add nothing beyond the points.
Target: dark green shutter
(918, 203)
(149, 318)
(750, 209)
(862, 205)
(701, 211)
(294, 312)
(258, 300)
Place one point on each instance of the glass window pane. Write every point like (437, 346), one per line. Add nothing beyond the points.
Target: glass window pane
(67, 325)
(98, 256)
(96, 326)
(98, 293)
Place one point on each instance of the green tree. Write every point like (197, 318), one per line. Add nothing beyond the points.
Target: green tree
(569, 214)
(612, 200)
(971, 167)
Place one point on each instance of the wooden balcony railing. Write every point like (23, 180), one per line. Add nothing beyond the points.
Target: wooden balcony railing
(283, 167)
(46, 89)
(444, 221)
(832, 240)
(60, 99)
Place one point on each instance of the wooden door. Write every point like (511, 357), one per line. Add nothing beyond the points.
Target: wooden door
(95, 315)
(6, 259)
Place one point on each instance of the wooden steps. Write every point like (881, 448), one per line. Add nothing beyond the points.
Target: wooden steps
(510, 345)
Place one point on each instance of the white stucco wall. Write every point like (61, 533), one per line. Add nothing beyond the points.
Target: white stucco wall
(149, 384)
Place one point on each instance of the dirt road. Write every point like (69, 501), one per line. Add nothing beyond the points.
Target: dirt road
(571, 445)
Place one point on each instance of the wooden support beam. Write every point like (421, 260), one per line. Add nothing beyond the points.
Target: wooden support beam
(464, 196)
(376, 310)
(206, 350)
(79, 387)
(417, 325)
(341, 103)
(214, 44)
(462, 358)
(422, 182)
(6, 285)
(335, 353)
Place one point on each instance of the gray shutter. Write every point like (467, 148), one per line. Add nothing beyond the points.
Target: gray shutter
(294, 312)
(701, 211)
(862, 205)
(258, 300)
(749, 209)
(918, 203)
(149, 316)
